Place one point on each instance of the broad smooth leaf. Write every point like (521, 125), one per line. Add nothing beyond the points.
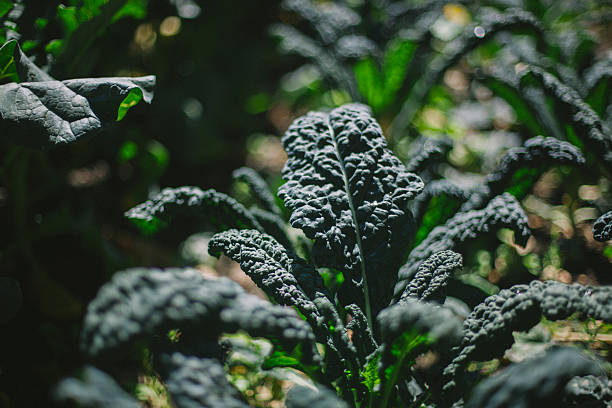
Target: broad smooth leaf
(55, 112)
(39, 111)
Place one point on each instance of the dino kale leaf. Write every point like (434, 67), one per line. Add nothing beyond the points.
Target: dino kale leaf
(349, 193)
(95, 390)
(501, 212)
(588, 391)
(218, 209)
(198, 382)
(272, 269)
(304, 397)
(487, 331)
(587, 125)
(536, 153)
(39, 111)
(432, 277)
(602, 229)
(534, 382)
(406, 330)
(143, 302)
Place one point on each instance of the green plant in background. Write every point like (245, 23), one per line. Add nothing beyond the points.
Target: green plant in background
(351, 197)
(489, 76)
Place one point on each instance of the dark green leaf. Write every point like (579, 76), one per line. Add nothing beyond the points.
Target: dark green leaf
(349, 193)
(208, 206)
(54, 112)
(535, 382)
(95, 390)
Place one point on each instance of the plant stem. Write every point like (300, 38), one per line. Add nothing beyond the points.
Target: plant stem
(397, 369)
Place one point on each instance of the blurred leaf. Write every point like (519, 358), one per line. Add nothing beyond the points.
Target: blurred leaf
(257, 103)
(511, 95)
(380, 88)
(40, 23)
(133, 8)
(8, 71)
(83, 25)
(523, 180)
(68, 18)
(608, 252)
(407, 342)
(54, 47)
(160, 156)
(440, 209)
(29, 45)
(5, 7)
(280, 359)
(127, 151)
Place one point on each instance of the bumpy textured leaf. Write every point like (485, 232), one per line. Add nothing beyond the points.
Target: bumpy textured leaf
(141, 302)
(96, 390)
(217, 209)
(363, 338)
(199, 383)
(487, 331)
(349, 193)
(339, 338)
(501, 212)
(305, 397)
(536, 382)
(270, 266)
(602, 228)
(588, 392)
(258, 187)
(512, 19)
(536, 153)
(432, 276)
(587, 124)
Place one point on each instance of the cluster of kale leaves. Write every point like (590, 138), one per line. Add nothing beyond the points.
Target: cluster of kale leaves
(356, 334)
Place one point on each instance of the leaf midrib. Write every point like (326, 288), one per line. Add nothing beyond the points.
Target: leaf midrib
(354, 217)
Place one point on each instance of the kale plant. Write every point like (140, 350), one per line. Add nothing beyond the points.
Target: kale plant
(366, 297)
(354, 301)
